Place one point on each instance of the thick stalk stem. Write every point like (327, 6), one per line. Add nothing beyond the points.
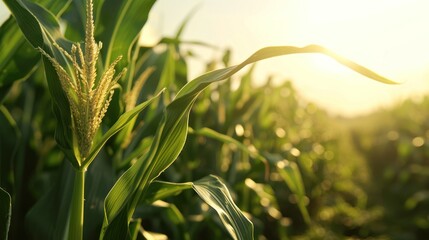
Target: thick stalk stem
(77, 206)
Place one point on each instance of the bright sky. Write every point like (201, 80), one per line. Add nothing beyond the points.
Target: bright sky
(389, 36)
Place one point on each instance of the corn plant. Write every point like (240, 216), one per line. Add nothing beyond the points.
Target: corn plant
(118, 131)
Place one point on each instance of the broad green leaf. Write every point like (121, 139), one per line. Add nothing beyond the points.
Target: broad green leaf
(168, 143)
(17, 58)
(123, 120)
(290, 173)
(27, 15)
(5, 213)
(216, 194)
(119, 24)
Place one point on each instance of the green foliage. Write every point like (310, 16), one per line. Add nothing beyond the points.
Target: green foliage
(394, 142)
(275, 153)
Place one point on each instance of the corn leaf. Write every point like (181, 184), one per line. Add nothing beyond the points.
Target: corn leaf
(123, 120)
(269, 52)
(36, 23)
(119, 24)
(216, 194)
(17, 58)
(166, 146)
(5, 213)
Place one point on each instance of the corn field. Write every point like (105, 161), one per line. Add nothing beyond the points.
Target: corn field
(101, 138)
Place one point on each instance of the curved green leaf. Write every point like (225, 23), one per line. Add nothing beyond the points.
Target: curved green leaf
(5, 213)
(269, 52)
(216, 194)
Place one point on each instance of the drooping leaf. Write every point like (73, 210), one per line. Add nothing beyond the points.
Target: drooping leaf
(5, 213)
(269, 52)
(216, 194)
